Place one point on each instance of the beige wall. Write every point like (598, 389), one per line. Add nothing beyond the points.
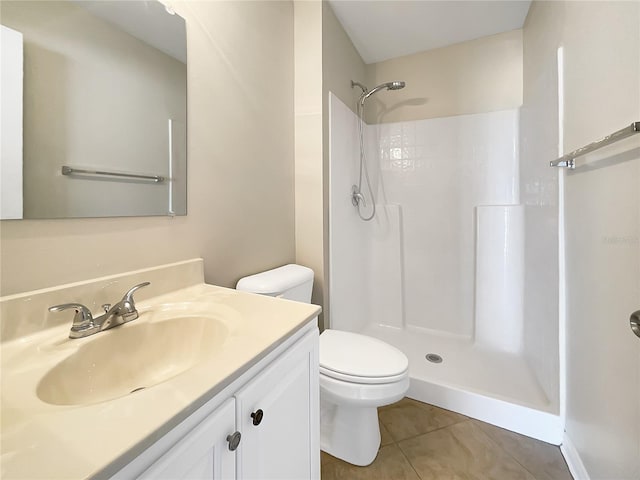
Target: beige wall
(601, 43)
(482, 75)
(325, 60)
(240, 173)
(602, 219)
(341, 63)
(308, 141)
(95, 97)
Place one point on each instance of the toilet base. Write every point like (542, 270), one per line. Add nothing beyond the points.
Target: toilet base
(349, 433)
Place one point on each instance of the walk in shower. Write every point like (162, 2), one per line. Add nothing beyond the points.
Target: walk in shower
(446, 269)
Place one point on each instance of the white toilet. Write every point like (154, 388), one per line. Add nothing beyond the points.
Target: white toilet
(358, 374)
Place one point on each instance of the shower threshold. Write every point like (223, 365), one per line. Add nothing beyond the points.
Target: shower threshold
(495, 387)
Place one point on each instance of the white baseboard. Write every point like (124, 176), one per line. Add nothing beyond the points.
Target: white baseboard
(572, 457)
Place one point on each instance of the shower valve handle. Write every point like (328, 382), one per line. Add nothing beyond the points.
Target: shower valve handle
(634, 320)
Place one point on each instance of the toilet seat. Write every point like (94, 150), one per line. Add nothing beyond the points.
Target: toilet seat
(356, 358)
(361, 394)
(362, 380)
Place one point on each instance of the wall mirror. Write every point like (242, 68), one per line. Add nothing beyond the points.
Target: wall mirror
(93, 109)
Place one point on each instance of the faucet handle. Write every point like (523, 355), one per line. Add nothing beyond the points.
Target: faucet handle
(82, 320)
(81, 311)
(126, 308)
(128, 297)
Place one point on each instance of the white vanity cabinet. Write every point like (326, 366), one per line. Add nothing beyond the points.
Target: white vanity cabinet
(278, 415)
(204, 453)
(275, 411)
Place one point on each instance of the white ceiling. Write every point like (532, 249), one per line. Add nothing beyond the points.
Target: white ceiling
(384, 29)
(149, 21)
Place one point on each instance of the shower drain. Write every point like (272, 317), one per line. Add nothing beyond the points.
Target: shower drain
(433, 357)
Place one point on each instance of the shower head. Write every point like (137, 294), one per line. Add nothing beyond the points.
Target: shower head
(395, 85)
(389, 86)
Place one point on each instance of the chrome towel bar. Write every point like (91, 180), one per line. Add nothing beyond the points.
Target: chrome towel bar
(66, 170)
(568, 160)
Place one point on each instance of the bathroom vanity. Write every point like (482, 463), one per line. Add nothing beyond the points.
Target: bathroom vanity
(207, 383)
(263, 426)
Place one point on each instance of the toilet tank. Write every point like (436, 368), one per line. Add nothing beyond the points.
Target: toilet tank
(293, 282)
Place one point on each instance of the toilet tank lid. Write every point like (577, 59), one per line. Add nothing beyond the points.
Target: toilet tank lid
(276, 281)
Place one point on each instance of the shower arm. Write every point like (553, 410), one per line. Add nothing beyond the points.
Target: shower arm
(360, 86)
(366, 95)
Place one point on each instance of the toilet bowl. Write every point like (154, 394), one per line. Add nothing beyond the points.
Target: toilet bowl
(358, 373)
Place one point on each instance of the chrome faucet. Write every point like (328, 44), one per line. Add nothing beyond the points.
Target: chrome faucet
(84, 324)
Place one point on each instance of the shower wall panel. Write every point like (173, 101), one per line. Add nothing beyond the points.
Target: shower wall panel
(366, 264)
(414, 265)
(349, 246)
(439, 171)
(385, 282)
(539, 138)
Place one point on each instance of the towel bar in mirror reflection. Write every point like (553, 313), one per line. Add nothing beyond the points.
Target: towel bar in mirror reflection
(103, 81)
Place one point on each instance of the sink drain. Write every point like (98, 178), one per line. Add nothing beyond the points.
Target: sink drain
(433, 357)
(137, 389)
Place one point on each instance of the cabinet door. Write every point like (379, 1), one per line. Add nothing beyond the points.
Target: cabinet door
(285, 443)
(203, 453)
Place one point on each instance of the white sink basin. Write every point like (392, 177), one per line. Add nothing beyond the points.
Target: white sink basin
(129, 358)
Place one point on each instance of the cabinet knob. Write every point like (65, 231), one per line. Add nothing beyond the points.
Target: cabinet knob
(257, 416)
(234, 440)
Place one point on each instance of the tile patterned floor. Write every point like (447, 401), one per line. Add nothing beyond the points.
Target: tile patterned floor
(423, 442)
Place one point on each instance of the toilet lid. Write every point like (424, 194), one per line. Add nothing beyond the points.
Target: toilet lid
(359, 358)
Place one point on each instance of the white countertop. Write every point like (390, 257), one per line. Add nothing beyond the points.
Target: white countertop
(42, 440)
